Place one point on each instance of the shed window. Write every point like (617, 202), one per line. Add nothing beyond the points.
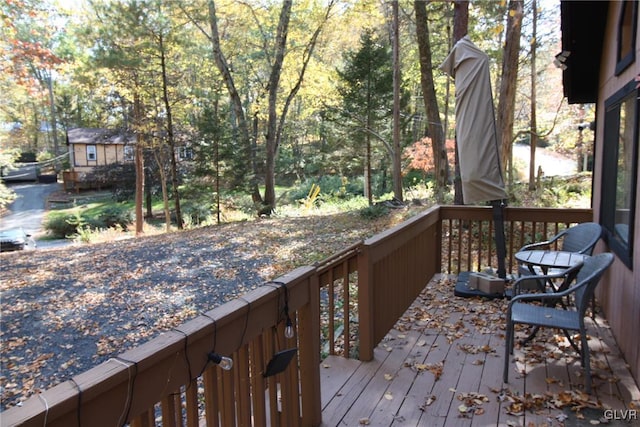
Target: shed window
(185, 153)
(620, 170)
(128, 153)
(627, 27)
(92, 154)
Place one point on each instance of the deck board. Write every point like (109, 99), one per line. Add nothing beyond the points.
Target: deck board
(399, 388)
(385, 395)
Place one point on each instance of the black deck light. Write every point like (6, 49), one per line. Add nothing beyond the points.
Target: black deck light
(279, 362)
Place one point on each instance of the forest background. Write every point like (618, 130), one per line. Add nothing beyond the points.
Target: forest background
(259, 104)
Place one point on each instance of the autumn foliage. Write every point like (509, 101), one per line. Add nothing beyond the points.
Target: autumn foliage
(419, 155)
(25, 55)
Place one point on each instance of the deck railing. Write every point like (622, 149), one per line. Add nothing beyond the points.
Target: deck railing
(343, 305)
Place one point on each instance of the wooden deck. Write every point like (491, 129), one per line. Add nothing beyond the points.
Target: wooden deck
(442, 364)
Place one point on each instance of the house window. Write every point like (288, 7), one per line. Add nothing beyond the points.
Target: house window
(129, 153)
(92, 153)
(620, 170)
(185, 153)
(627, 26)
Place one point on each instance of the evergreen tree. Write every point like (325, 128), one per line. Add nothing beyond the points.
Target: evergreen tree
(367, 95)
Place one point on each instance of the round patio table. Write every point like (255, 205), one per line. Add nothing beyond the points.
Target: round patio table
(547, 259)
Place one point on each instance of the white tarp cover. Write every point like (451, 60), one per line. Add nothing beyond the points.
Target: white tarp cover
(475, 123)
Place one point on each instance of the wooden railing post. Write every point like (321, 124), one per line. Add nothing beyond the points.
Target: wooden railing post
(365, 304)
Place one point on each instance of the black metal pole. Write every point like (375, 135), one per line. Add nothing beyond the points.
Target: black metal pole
(498, 226)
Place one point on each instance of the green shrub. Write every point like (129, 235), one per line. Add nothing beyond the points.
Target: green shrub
(373, 212)
(415, 177)
(194, 214)
(115, 215)
(61, 224)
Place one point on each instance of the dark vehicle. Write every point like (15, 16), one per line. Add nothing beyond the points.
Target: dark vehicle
(20, 173)
(16, 240)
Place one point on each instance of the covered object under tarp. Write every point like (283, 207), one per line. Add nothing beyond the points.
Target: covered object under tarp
(477, 142)
(476, 136)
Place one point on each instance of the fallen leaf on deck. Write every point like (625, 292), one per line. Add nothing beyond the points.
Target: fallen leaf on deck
(427, 402)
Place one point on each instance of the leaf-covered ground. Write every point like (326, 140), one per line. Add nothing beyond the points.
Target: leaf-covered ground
(64, 311)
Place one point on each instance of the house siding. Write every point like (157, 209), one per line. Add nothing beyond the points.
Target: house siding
(110, 148)
(619, 293)
(106, 155)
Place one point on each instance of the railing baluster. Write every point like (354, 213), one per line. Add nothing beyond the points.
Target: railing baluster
(169, 413)
(490, 244)
(146, 419)
(191, 395)
(345, 308)
(243, 386)
(212, 409)
(449, 246)
(512, 249)
(522, 239)
(480, 239)
(258, 386)
(459, 250)
(226, 396)
(272, 386)
(332, 313)
(545, 231)
(289, 393)
(469, 243)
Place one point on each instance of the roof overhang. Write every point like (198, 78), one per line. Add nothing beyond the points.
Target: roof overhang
(583, 29)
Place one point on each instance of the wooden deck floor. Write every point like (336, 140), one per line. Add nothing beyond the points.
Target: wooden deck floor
(442, 364)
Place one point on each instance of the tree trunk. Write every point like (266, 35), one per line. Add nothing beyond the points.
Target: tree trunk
(165, 192)
(507, 96)
(272, 121)
(460, 29)
(148, 198)
(256, 197)
(430, 101)
(534, 124)
(236, 102)
(139, 165)
(54, 119)
(170, 137)
(396, 152)
(368, 188)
